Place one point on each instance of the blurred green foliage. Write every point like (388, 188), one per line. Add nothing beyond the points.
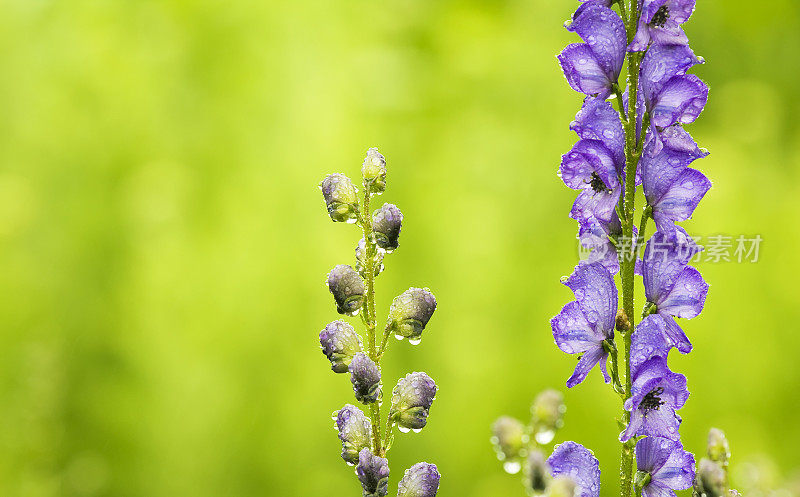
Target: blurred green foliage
(163, 243)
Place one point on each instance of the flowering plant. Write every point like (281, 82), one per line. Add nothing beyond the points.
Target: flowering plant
(353, 290)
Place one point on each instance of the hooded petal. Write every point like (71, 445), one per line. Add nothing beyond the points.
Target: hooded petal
(652, 453)
(678, 471)
(662, 262)
(680, 100)
(686, 297)
(649, 340)
(660, 64)
(588, 158)
(597, 120)
(576, 461)
(681, 198)
(670, 467)
(583, 71)
(603, 30)
(596, 294)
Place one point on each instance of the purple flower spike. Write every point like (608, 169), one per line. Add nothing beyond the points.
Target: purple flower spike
(672, 287)
(664, 466)
(355, 430)
(655, 395)
(339, 342)
(584, 324)
(420, 480)
(412, 399)
(593, 67)
(670, 95)
(373, 473)
(660, 23)
(577, 462)
(590, 168)
(366, 378)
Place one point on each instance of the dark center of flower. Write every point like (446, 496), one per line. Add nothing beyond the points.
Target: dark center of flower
(661, 16)
(597, 184)
(652, 401)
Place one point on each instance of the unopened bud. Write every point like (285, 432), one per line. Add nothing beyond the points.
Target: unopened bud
(547, 413)
(412, 399)
(373, 170)
(386, 224)
(339, 342)
(509, 438)
(536, 472)
(718, 448)
(341, 198)
(711, 480)
(347, 288)
(354, 430)
(622, 322)
(420, 480)
(410, 313)
(373, 473)
(366, 378)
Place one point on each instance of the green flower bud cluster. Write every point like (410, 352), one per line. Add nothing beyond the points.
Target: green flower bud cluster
(711, 479)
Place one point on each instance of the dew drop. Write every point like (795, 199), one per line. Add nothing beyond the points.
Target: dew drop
(403, 429)
(512, 467)
(415, 341)
(545, 437)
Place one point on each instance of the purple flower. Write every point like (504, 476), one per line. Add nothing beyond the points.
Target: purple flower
(650, 339)
(655, 395)
(669, 94)
(672, 287)
(577, 462)
(672, 189)
(660, 23)
(339, 342)
(597, 120)
(347, 288)
(593, 67)
(589, 167)
(373, 473)
(354, 430)
(409, 314)
(420, 480)
(341, 198)
(366, 378)
(604, 240)
(584, 324)
(664, 466)
(386, 224)
(412, 399)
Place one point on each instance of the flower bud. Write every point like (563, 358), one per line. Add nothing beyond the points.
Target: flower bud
(536, 472)
(361, 262)
(341, 197)
(366, 378)
(386, 224)
(711, 480)
(718, 448)
(339, 342)
(509, 440)
(562, 486)
(373, 473)
(410, 313)
(354, 430)
(420, 480)
(373, 170)
(412, 398)
(547, 413)
(347, 288)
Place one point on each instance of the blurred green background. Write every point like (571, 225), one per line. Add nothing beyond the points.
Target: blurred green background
(163, 243)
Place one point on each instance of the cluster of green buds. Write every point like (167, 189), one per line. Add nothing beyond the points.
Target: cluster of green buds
(353, 289)
(521, 447)
(712, 479)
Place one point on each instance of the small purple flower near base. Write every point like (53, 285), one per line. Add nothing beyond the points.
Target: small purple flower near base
(660, 23)
(373, 473)
(355, 430)
(366, 378)
(663, 467)
(579, 464)
(386, 224)
(584, 324)
(347, 288)
(412, 399)
(655, 395)
(420, 480)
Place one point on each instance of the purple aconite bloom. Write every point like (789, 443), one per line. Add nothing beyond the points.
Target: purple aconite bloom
(672, 189)
(655, 395)
(664, 467)
(412, 399)
(650, 339)
(584, 324)
(669, 94)
(604, 241)
(339, 342)
(590, 168)
(597, 120)
(593, 67)
(373, 170)
(577, 462)
(420, 480)
(347, 288)
(366, 378)
(660, 23)
(410, 313)
(354, 430)
(673, 288)
(373, 473)
(341, 197)
(386, 224)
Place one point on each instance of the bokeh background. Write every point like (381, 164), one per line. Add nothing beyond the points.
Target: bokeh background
(163, 243)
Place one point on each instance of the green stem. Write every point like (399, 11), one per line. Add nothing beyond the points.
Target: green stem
(628, 260)
(369, 313)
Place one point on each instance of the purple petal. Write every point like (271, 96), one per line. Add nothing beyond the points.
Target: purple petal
(663, 422)
(600, 205)
(586, 363)
(603, 30)
(652, 453)
(680, 199)
(597, 120)
(680, 101)
(662, 263)
(583, 71)
(686, 297)
(649, 340)
(573, 333)
(659, 65)
(596, 294)
(576, 461)
(678, 471)
(585, 158)
(676, 337)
